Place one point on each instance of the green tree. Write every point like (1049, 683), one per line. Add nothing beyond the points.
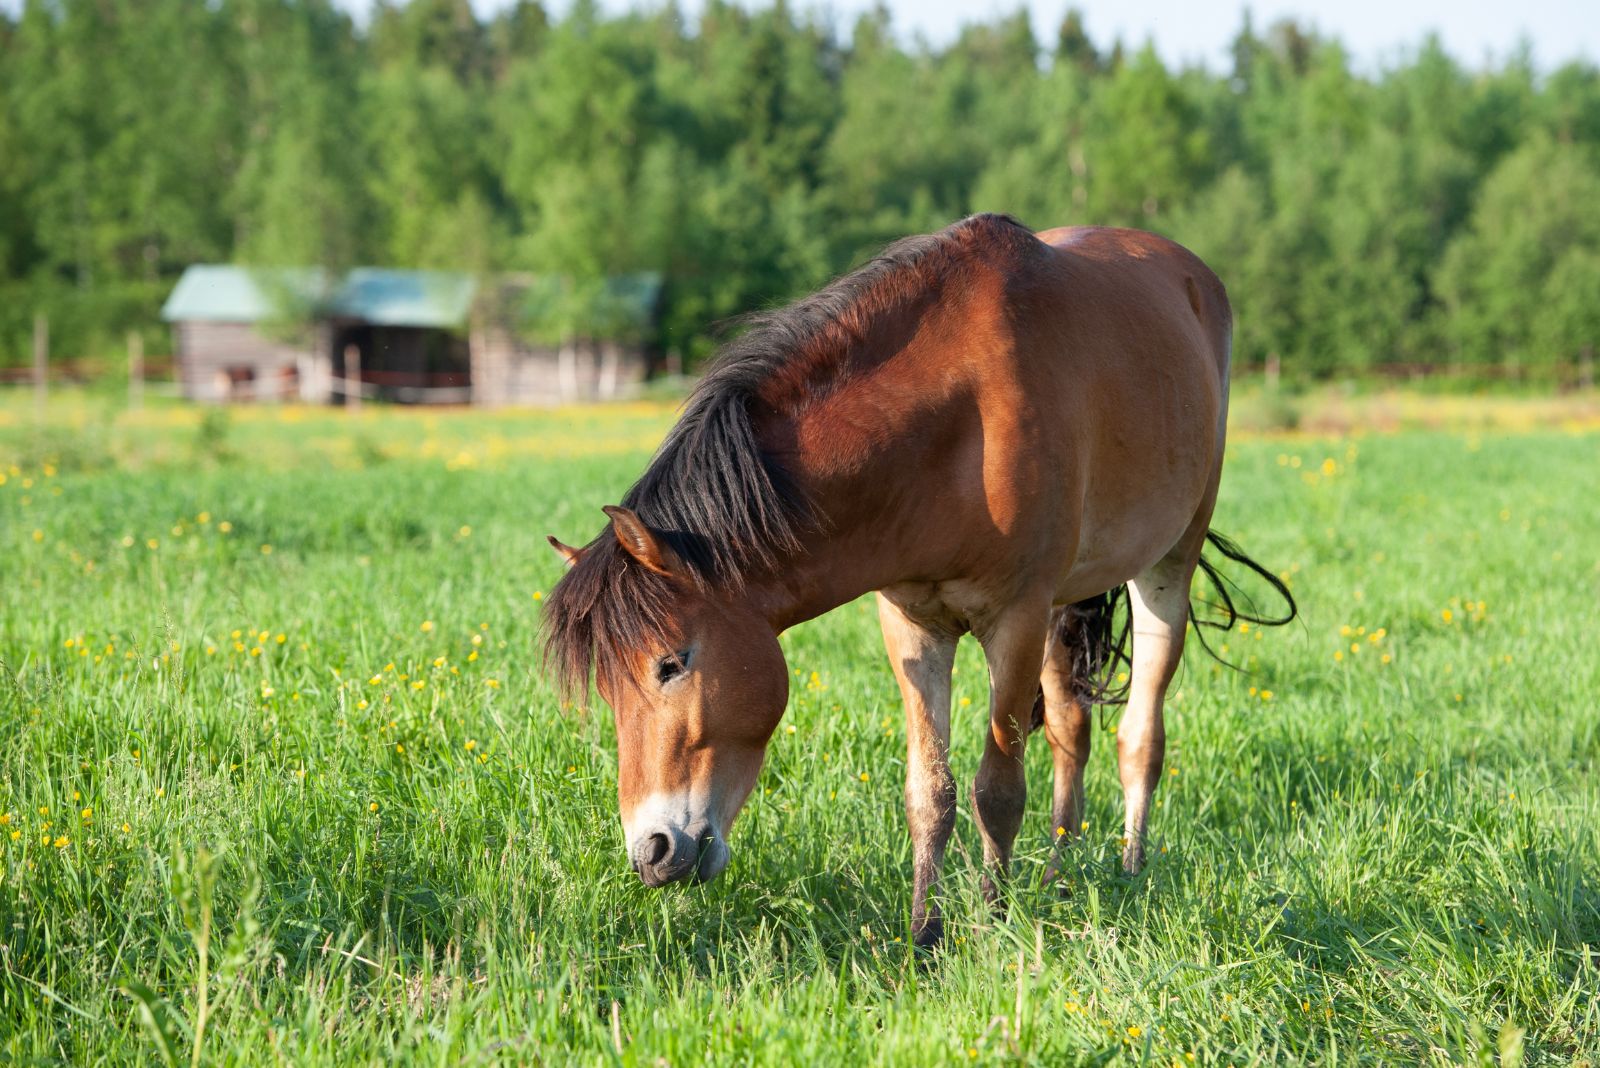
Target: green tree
(298, 197)
(1146, 148)
(574, 123)
(1570, 325)
(429, 183)
(1499, 278)
(443, 34)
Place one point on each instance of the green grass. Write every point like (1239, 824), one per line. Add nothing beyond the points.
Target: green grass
(1394, 858)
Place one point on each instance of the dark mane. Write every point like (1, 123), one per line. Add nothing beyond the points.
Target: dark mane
(726, 506)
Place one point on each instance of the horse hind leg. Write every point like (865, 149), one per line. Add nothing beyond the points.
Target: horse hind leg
(1159, 607)
(1065, 696)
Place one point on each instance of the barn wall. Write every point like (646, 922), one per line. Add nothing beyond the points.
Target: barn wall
(233, 361)
(508, 371)
(492, 351)
(212, 359)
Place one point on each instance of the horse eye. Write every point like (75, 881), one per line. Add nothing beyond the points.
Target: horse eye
(670, 667)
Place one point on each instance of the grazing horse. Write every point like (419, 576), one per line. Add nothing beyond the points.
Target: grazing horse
(991, 429)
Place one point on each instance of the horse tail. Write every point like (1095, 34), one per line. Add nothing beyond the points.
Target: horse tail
(1229, 612)
(1097, 631)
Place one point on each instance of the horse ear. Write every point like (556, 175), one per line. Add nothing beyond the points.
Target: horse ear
(642, 543)
(568, 553)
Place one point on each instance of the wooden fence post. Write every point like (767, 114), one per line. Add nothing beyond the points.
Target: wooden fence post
(567, 369)
(352, 377)
(135, 370)
(41, 362)
(606, 384)
(1274, 370)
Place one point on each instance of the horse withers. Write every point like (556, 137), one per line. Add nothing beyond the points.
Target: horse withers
(991, 429)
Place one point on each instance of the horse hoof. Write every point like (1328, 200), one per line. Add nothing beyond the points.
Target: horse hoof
(992, 893)
(929, 934)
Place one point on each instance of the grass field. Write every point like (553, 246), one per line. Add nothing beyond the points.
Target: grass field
(281, 780)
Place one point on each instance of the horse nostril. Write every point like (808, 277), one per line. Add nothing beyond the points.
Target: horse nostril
(658, 846)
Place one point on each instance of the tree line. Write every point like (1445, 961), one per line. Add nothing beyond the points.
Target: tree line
(1426, 213)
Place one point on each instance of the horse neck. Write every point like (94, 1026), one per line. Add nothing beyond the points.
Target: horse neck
(809, 583)
(863, 443)
(854, 475)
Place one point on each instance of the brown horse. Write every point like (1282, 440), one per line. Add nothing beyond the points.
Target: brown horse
(988, 427)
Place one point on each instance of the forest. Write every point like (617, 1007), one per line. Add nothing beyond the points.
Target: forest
(1423, 213)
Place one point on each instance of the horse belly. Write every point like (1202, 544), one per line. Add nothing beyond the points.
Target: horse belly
(1110, 554)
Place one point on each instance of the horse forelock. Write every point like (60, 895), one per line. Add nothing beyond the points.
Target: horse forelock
(605, 607)
(724, 504)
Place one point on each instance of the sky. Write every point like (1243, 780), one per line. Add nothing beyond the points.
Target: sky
(1376, 32)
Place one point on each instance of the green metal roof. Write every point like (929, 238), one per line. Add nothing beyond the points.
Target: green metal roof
(239, 294)
(371, 294)
(405, 298)
(442, 299)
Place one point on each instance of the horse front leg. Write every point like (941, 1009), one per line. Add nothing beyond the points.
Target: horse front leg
(922, 658)
(1014, 647)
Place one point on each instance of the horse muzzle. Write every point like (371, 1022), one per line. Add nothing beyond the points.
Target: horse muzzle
(667, 854)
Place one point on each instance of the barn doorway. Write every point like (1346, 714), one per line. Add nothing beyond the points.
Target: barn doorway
(406, 364)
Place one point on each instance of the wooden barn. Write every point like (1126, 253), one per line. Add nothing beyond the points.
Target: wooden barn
(420, 337)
